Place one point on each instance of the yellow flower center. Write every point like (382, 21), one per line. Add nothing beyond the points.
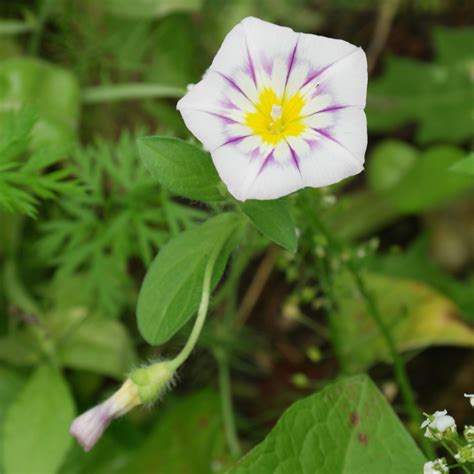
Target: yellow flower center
(275, 119)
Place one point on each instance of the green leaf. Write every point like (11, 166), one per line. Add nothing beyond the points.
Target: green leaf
(150, 8)
(187, 439)
(273, 220)
(436, 95)
(414, 181)
(346, 428)
(171, 291)
(417, 316)
(464, 166)
(389, 163)
(181, 167)
(52, 91)
(99, 345)
(37, 424)
(11, 384)
(416, 263)
(429, 182)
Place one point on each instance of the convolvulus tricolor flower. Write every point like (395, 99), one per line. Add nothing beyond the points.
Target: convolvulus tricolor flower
(280, 110)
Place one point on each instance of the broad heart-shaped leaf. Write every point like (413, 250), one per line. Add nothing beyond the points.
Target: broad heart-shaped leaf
(437, 95)
(181, 167)
(346, 428)
(172, 288)
(273, 220)
(417, 315)
(37, 423)
(188, 438)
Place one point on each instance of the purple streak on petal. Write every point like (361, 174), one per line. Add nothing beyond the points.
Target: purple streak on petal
(325, 133)
(317, 73)
(291, 61)
(332, 108)
(227, 104)
(233, 84)
(267, 65)
(224, 118)
(294, 157)
(265, 163)
(255, 153)
(251, 65)
(233, 140)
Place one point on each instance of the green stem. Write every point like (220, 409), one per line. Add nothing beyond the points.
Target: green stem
(398, 364)
(450, 451)
(130, 91)
(45, 10)
(226, 403)
(201, 317)
(15, 27)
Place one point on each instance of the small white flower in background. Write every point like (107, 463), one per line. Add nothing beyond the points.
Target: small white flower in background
(89, 427)
(471, 398)
(439, 425)
(465, 454)
(280, 110)
(436, 467)
(469, 433)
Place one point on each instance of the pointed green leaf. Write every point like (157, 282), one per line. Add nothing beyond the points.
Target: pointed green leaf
(181, 167)
(171, 291)
(37, 425)
(346, 428)
(273, 220)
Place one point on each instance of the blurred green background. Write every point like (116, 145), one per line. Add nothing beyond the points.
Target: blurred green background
(81, 220)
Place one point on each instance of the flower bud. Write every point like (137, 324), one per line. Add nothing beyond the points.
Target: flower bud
(438, 466)
(469, 433)
(88, 427)
(144, 385)
(153, 380)
(439, 425)
(465, 454)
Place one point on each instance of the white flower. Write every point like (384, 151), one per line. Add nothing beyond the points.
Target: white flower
(436, 467)
(438, 425)
(469, 433)
(89, 427)
(280, 110)
(471, 398)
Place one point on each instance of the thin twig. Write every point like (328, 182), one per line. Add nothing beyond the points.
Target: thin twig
(386, 15)
(256, 287)
(374, 312)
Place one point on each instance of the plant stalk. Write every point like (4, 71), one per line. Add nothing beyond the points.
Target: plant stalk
(130, 91)
(398, 364)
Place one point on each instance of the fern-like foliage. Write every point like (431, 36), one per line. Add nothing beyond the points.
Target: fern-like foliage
(121, 216)
(27, 176)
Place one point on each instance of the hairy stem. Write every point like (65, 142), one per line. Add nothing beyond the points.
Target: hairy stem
(201, 317)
